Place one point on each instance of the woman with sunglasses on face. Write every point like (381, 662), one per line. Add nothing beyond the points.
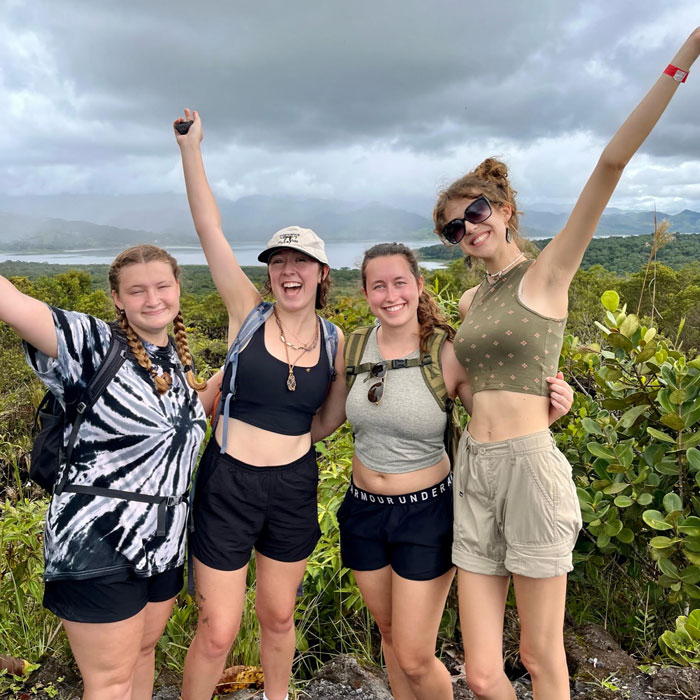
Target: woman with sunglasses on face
(516, 509)
(257, 482)
(114, 541)
(396, 519)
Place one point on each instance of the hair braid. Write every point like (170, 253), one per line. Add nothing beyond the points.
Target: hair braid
(164, 381)
(183, 352)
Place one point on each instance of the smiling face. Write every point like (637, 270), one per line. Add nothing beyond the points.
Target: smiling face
(150, 296)
(294, 278)
(391, 290)
(483, 240)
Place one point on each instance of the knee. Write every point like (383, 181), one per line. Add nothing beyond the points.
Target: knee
(416, 664)
(275, 621)
(483, 679)
(538, 657)
(214, 641)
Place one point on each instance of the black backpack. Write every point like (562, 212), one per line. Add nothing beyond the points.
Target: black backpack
(50, 457)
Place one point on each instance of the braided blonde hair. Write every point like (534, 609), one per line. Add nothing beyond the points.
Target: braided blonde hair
(145, 254)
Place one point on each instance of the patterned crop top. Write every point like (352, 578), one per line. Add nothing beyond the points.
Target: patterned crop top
(505, 345)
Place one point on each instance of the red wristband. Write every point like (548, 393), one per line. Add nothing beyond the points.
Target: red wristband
(676, 73)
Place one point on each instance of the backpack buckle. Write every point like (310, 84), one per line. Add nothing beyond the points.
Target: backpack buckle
(400, 364)
(80, 408)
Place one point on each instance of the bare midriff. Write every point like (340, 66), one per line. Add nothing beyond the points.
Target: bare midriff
(501, 415)
(396, 484)
(259, 447)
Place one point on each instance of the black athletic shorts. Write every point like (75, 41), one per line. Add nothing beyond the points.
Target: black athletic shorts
(412, 532)
(238, 507)
(110, 598)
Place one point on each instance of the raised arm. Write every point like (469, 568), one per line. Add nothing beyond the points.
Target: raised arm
(30, 318)
(559, 261)
(237, 291)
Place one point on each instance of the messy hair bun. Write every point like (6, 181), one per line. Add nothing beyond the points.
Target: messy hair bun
(489, 178)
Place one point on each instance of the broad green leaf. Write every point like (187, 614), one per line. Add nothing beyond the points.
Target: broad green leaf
(672, 502)
(630, 416)
(644, 499)
(616, 487)
(590, 426)
(646, 354)
(677, 396)
(626, 535)
(623, 501)
(629, 326)
(610, 300)
(598, 450)
(661, 542)
(664, 401)
(649, 335)
(666, 467)
(655, 520)
(660, 436)
(693, 455)
(603, 540)
(673, 421)
(617, 340)
(668, 567)
(692, 591)
(690, 574)
(690, 526)
(613, 528)
(692, 557)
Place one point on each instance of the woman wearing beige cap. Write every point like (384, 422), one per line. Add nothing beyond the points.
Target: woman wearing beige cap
(257, 481)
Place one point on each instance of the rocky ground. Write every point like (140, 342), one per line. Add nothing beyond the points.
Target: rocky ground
(600, 670)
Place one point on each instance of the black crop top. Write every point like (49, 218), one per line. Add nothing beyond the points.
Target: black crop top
(262, 398)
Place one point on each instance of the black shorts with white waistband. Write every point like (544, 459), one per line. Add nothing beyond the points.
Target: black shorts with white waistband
(410, 532)
(238, 507)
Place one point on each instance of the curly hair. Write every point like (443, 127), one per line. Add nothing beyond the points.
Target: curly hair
(489, 178)
(145, 254)
(429, 314)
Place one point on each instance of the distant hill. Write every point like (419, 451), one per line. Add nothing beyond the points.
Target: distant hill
(78, 222)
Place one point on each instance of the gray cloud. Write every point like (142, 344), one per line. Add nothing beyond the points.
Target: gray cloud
(330, 97)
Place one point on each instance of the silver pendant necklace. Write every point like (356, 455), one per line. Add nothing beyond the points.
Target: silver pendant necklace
(495, 276)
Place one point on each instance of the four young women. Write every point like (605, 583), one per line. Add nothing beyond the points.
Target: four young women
(114, 564)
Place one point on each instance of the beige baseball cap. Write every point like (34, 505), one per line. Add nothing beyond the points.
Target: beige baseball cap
(296, 238)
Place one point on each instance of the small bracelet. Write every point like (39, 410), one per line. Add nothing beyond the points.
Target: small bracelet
(678, 74)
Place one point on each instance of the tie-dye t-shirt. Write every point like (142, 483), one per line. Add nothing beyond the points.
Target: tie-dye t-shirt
(133, 439)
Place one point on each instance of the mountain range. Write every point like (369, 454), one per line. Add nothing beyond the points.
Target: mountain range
(79, 222)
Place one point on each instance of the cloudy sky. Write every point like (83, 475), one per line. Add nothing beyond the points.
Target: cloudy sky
(382, 100)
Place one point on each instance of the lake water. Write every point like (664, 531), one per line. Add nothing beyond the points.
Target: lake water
(339, 255)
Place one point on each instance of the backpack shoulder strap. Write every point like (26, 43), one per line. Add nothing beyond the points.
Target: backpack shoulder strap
(354, 348)
(330, 338)
(113, 360)
(251, 323)
(432, 370)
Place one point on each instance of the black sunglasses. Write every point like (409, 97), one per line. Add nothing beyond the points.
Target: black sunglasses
(477, 212)
(376, 391)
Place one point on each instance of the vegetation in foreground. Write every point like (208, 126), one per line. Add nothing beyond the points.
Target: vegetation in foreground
(632, 438)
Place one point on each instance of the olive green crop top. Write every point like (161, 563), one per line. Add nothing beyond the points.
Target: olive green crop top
(505, 345)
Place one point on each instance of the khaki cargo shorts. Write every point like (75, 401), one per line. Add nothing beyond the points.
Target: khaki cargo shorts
(515, 507)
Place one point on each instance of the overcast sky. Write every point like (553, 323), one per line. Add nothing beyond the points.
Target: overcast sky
(382, 100)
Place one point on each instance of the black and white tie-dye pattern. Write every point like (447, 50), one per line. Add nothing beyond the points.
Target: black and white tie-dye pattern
(134, 440)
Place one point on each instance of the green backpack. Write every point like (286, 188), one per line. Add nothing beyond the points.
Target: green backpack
(431, 370)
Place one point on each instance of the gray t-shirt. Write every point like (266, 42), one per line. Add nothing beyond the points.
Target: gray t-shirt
(405, 432)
